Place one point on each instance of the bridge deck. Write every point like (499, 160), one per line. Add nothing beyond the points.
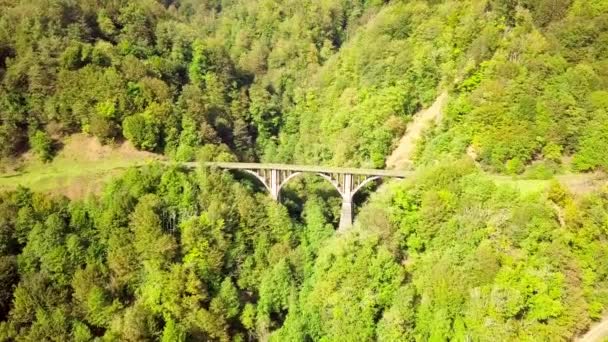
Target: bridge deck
(304, 168)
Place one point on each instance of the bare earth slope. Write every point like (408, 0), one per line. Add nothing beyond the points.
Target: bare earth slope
(597, 333)
(400, 159)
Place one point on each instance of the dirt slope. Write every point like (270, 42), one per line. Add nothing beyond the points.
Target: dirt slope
(597, 333)
(400, 159)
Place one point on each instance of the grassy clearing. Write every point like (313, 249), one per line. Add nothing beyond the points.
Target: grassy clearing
(525, 186)
(576, 183)
(80, 168)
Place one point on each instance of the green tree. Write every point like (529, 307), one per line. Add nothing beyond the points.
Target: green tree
(142, 131)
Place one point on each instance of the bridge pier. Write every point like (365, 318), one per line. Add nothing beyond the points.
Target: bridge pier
(346, 214)
(275, 184)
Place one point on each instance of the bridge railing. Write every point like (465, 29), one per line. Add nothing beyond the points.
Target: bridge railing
(304, 168)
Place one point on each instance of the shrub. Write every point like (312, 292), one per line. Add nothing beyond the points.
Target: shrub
(104, 129)
(552, 151)
(542, 170)
(42, 145)
(592, 151)
(514, 166)
(141, 131)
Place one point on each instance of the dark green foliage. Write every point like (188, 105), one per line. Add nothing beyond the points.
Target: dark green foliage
(301, 81)
(9, 277)
(106, 68)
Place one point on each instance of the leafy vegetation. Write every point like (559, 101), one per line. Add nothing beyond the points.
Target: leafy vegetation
(169, 255)
(539, 93)
(312, 82)
(168, 76)
(174, 255)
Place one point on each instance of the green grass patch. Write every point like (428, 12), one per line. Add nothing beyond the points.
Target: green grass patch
(525, 186)
(82, 166)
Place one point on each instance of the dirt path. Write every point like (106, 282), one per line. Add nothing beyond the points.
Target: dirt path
(400, 159)
(597, 333)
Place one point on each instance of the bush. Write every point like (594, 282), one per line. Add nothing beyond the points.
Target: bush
(141, 131)
(104, 129)
(592, 151)
(515, 166)
(552, 151)
(542, 170)
(42, 145)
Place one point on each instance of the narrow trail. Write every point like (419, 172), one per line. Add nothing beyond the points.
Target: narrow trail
(597, 333)
(401, 158)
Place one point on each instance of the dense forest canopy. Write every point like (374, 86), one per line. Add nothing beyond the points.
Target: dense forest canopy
(175, 256)
(170, 254)
(330, 82)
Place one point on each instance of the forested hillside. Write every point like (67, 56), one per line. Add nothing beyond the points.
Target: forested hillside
(170, 254)
(305, 81)
(447, 255)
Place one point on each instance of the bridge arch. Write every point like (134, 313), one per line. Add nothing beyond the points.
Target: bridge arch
(274, 187)
(293, 175)
(333, 181)
(365, 182)
(347, 181)
(290, 177)
(259, 177)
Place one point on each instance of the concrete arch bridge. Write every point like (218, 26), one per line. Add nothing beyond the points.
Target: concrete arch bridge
(347, 181)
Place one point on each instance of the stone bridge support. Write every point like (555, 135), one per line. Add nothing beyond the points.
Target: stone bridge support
(346, 184)
(347, 214)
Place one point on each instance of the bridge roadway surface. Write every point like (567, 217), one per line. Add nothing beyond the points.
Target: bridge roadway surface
(303, 168)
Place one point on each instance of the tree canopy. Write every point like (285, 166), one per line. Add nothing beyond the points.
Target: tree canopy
(331, 82)
(169, 254)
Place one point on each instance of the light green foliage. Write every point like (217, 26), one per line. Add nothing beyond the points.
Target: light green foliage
(227, 301)
(353, 114)
(172, 255)
(173, 332)
(146, 260)
(503, 261)
(590, 155)
(514, 166)
(275, 289)
(150, 242)
(142, 131)
(539, 92)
